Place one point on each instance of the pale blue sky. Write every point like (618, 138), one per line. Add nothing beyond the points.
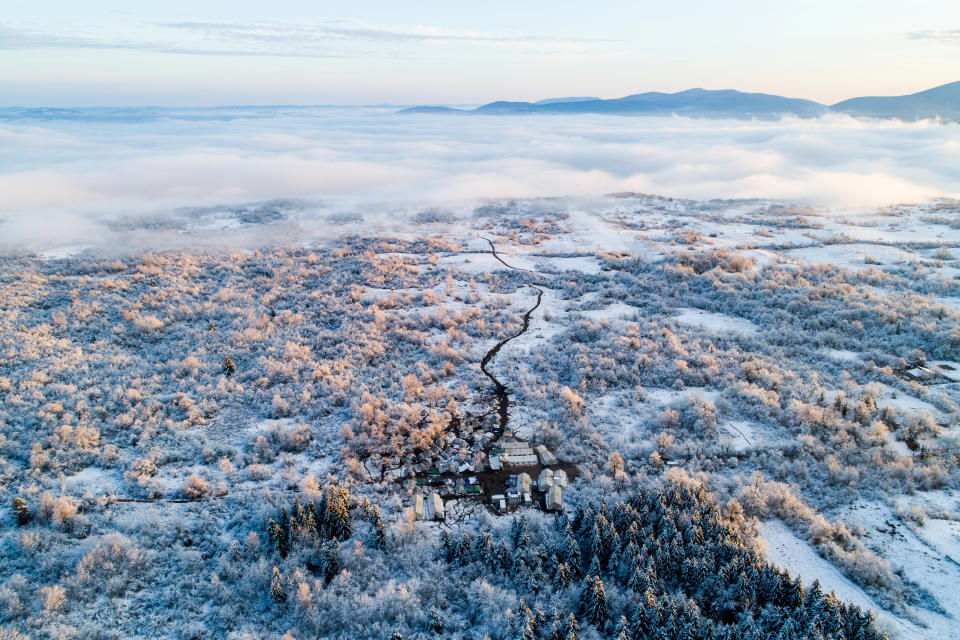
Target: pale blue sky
(99, 52)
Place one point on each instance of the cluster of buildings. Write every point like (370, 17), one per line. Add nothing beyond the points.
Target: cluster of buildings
(549, 482)
(517, 453)
(450, 486)
(450, 473)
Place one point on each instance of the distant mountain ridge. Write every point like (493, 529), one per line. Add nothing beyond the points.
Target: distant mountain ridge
(940, 102)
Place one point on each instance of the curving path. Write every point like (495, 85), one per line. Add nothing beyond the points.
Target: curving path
(499, 390)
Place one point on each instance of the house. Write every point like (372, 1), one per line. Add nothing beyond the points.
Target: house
(523, 483)
(560, 478)
(494, 462)
(527, 499)
(417, 507)
(513, 497)
(553, 500)
(518, 454)
(546, 458)
(463, 468)
(499, 501)
(521, 460)
(434, 507)
(545, 480)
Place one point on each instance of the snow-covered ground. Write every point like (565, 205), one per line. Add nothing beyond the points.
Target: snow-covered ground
(789, 551)
(852, 256)
(719, 322)
(905, 403)
(921, 562)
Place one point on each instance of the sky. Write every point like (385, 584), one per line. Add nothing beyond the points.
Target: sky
(176, 53)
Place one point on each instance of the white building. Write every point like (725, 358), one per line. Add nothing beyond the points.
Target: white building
(545, 480)
(523, 483)
(546, 458)
(553, 501)
(560, 478)
(518, 454)
(434, 508)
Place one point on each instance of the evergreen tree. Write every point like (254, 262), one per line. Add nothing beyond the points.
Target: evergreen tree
(278, 538)
(527, 622)
(571, 552)
(277, 592)
(312, 521)
(283, 533)
(446, 546)
(593, 601)
(338, 513)
(331, 567)
(379, 531)
(573, 629)
(298, 518)
(436, 621)
(558, 630)
(21, 511)
(228, 367)
(644, 622)
(562, 576)
(622, 630)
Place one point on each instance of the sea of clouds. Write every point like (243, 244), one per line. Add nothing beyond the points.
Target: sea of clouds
(76, 177)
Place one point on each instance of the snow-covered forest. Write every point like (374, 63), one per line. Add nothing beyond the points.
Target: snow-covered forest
(754, 404)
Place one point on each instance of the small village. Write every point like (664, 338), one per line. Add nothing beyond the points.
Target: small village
(512, 474)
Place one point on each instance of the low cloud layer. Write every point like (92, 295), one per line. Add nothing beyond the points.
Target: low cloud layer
(74, 178)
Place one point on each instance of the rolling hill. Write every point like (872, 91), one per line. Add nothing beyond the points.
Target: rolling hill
(942, 102)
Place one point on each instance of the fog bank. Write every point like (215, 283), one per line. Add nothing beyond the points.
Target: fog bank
(79, 176)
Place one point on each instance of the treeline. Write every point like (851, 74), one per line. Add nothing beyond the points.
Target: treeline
(318, 528)
(675, 566)
(666, 564)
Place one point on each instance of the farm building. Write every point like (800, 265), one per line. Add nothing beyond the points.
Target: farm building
(518, 454)
(520, 458)
(560, 478)
(553, 500)
(434, 507)
(546, 458)
(523, 483)
(417, 506)
(545, 480)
